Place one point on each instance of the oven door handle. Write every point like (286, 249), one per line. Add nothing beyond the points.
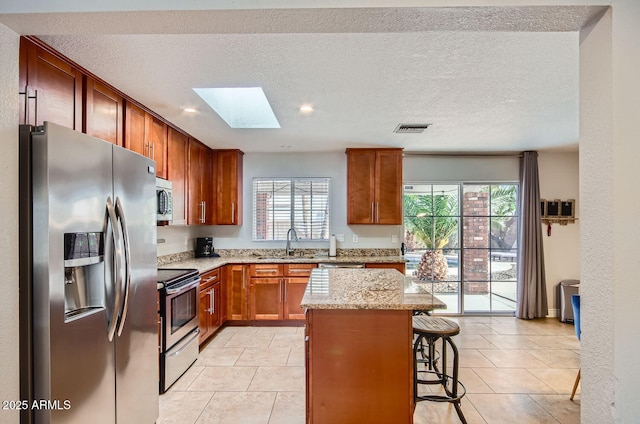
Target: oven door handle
(184, 287)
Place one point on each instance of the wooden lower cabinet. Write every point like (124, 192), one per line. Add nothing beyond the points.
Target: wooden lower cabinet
(345, 386)
(296, 277)
(235, 277)
(294, 288)
(276, 290)
(400, 266)
(209, 309)
(266, 298)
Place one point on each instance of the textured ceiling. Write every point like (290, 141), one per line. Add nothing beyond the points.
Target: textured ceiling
(487, 79)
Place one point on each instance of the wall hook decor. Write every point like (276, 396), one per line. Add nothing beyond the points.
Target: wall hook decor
(557, 212)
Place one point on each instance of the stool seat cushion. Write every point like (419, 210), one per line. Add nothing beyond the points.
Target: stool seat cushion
(424, 324)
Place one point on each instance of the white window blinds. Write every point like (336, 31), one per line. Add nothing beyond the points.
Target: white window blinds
(283, 203)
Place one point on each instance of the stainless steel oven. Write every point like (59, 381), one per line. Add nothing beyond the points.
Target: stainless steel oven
(179, 315)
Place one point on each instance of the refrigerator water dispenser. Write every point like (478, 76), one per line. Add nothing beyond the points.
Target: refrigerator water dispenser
(84, 291)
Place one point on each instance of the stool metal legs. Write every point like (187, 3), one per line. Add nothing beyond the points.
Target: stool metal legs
(430, 360)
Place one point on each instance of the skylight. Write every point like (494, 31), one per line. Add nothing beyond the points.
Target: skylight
(240, 107)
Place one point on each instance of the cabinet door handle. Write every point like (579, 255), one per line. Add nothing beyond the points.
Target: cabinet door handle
(377, 211)
(204, 211)
(212, 301)
(153, 151)
(283, 289)
(25, 93)
(35, 107)
(233, 212)
(305, 270)
(373, 216)
(266, 271)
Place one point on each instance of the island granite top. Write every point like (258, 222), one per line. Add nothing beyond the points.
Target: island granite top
(344, 288)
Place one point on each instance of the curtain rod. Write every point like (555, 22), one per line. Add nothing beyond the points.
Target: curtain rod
(464, 155)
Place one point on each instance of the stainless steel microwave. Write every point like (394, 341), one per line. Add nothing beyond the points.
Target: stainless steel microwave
(164, 200)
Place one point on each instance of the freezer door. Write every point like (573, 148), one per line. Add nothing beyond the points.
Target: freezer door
(73, 358)
(137, 368)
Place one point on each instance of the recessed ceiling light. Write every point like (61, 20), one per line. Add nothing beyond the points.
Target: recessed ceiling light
(190, 110)
(240, 107)
(306, 109)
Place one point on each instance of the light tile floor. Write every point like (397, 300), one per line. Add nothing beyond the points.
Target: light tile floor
(514, 371)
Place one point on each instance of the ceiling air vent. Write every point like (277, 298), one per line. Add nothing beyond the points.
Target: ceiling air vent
(411, 128)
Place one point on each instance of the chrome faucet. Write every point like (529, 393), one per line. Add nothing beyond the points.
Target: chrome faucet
(289, 250)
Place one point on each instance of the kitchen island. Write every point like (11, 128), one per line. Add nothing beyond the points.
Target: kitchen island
(359, 345)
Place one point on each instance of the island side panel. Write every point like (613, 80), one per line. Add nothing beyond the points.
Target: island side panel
(359, 366)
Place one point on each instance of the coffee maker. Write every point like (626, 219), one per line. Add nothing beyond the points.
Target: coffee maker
(204, 247)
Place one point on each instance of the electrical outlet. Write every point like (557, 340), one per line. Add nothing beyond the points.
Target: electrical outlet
(394, 238)
(355, 238)
(340, 238)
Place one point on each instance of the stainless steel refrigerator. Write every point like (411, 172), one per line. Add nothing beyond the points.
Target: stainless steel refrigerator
(88, 296)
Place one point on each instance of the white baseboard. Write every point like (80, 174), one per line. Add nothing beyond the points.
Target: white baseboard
(554, 313)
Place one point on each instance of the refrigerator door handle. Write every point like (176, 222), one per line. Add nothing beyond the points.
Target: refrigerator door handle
(117, 254)
(127, 265)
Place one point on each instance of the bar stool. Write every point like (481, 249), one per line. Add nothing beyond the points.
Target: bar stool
(427, 330)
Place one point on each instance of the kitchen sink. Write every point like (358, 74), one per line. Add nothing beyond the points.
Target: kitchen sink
(289, 257)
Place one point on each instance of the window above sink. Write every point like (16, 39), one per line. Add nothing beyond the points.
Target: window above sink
(283, 203)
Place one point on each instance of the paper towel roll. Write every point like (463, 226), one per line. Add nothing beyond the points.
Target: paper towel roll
(332, 245)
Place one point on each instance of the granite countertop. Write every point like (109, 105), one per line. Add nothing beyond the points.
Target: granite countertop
(207, 264)
(343, 288)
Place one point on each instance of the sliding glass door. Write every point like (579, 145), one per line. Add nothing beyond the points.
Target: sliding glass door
(461, 242)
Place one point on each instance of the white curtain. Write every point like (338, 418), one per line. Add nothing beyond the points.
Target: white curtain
(532, 289)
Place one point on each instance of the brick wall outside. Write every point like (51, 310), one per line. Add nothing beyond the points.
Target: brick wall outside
(475, 210)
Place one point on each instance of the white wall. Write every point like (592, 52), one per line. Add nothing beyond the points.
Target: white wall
(626, 233)
(460, 169)
(559, 179)
(9, 387)
(598, 245)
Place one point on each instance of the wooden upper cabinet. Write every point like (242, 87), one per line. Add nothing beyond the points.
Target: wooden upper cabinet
(360, 186)
(134, 128)
(389, 186)
(177, 153)
(200, 209)
(147, 135)
(228, 184)
(50, 88)
(103, 117)
(374, 186)
(156, 139)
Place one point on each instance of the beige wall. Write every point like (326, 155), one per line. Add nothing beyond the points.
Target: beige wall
(559, 179)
